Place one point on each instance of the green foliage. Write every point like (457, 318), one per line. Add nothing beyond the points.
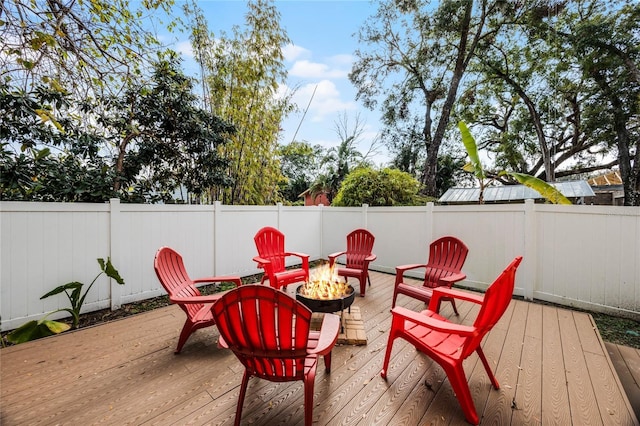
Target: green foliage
(300, 164)
(83, 46)
(36, 329)
(242, 74)
(414, 56)
(388, 187)
(163, 140)
(484, 179)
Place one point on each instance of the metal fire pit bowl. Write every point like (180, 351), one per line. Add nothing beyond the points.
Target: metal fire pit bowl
(327, 305)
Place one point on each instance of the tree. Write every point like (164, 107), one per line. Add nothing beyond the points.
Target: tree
(532, 100)
(162, 141)
(165, 140)
(341, 159)
(242, 75)
(418, 57)
(46, 153)
(75, 46)
(299, 164)
(388, 187)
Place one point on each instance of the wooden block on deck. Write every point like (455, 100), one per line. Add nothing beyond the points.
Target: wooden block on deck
(353, 333)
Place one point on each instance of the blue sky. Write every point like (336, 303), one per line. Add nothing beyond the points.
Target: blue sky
(320, 57)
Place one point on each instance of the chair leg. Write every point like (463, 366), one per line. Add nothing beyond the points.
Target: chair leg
(395, 296)
(327, 362)
(243, 392)
(455, 309)
(363, 286)
(487, 368)
(187, 329)
(308, 399)
(460, 387)
(387, 355)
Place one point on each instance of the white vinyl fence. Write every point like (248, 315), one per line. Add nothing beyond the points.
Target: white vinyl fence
(580, 256)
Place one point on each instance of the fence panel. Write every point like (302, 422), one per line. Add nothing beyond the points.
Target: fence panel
(582, 256)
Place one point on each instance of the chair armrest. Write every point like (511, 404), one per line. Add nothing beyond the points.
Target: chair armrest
(300, 255)
(370, 258)
(404, 268)
(328, 335)
(432, 323)
(444, 292)
(334, 256)
(400, 270)
(192, 300)
(229, 278)
(261, 260)
(451, 279)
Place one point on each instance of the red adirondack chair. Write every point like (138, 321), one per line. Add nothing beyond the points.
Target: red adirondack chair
(272, 255)
(449, 344)
(269, 332)
(358, 256)
(443, 268)
(183, 292)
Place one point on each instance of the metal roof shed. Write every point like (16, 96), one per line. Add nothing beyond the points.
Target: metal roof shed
(574, 190)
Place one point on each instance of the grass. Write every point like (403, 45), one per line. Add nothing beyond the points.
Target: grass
(622, 331)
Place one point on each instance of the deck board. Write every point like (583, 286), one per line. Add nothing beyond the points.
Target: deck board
(551, 363)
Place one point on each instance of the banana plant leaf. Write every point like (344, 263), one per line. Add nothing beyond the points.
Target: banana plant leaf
(474, 166)
(543, 188)
(36, 329)
(111, 272)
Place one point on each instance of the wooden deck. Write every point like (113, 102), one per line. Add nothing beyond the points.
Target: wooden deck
(551, 363)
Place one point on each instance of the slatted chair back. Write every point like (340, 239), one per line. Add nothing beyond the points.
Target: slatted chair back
(173, 276)
(359, 247)
(270, 245)
(267, 330)
(495, 303)
(446, 257)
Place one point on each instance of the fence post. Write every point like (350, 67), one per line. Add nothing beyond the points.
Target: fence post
(115, 250)
(365, 218)
(530, 249)
(429, 224)
(217, 211)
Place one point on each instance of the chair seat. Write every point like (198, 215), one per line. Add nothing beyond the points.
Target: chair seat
(350, 272)
(437, 342)
(417, 292)
(204, 314)
(291, 275)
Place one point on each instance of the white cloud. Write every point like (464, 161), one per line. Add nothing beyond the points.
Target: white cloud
(342, 60)
(326, 100)
(184, 48)
(308, 69)
(292, 52)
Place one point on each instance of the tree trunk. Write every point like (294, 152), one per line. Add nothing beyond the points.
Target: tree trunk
(629, 174)
(462, 60)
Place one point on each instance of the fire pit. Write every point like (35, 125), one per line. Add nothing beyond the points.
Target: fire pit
(325, 292)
